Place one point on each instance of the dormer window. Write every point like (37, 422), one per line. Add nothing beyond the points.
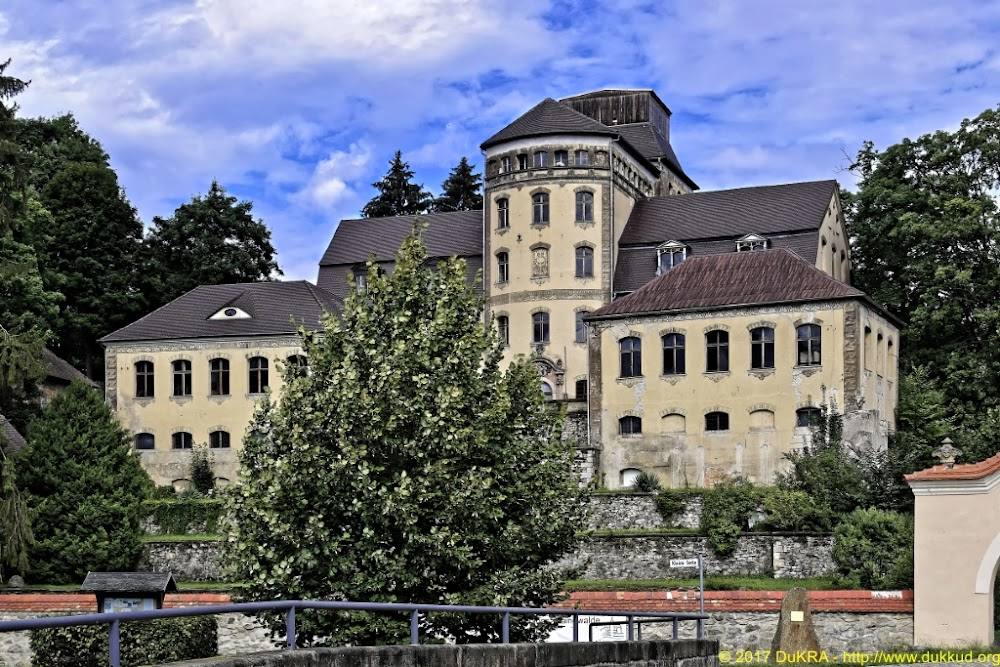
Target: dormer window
(231, 313)
(669, 255)
(751, 242)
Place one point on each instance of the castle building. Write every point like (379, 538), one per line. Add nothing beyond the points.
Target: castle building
(690, 334)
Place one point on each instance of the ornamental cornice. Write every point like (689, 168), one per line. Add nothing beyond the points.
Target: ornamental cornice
(724, 312)
(193, 345)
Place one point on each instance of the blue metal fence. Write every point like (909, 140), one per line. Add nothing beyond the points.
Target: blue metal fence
(114, 620)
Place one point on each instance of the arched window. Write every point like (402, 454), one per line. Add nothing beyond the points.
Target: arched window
(584, 206)
(584, 262)
(546, 390)
(630, 426)
(717, 348)
(299, 364)
(503, 267)
(762, 347)
(219, 377)
(540, 208)
(182, 377)
(540, 159)
(503, 213)
(761, 420)
(631, 357)
(673, 354)
(674, 423)
(218, 439)
(540, 328)
(258, 375)
(144, 379)
(809, 342)
(182, 440)
(145, 441)
(717, 421)
(503, 327)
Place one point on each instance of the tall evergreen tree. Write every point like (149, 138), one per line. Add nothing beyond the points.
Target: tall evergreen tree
(85, 485)
(398, 194)
(211, 240)
(462, 190)
(406, 467)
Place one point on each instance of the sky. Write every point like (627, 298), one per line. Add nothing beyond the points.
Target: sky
(298, 105)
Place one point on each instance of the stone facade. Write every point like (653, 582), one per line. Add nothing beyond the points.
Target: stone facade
(637, 511)
(187, 561)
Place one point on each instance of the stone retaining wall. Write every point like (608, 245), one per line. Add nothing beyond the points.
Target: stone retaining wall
(631, 511)
(188, 561)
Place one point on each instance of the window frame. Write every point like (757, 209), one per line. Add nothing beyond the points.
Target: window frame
(258, 377)
(584, 261)
(585, 154)
(182, 373)
(539, 159)
(674, 346)
(540, 327)
(506, 164)
(716, 421)
(584, 206)
(629, 425)
(503, 329)
(522, 161)
(181, 440)
(804, 416)
(219, 440)
(809, 345)
(145, 379)
(503, 266)
(671, 253)
(503, 213)
(630, 357)
(218, 378)
(581, 395)
(717, 352)
(142, 439)
(581, 327)
(556, 162)
(760, 347)
(540, 208)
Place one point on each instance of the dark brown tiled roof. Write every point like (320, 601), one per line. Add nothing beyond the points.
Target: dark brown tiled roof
(271, 306)
(457, 233)
(129, 582)
(733, 279)
(652, 145)
(60, 369)
(549, 117)
(763, 210)
(12, 441)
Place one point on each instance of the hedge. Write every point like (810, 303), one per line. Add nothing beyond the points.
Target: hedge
(184, 515)
(142, 643)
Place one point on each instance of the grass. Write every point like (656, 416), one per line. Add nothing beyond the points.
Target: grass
(712, 583)
(201, 537)
(639, 532)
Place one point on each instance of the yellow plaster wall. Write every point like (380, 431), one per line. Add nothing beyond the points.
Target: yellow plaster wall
(200, 413)
(833, 254)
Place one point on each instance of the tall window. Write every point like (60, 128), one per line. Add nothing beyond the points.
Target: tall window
(503, 213)
(503, 326)
(584, 262)
(218, 440)
(717, 421)
(219, 377)
(673, 354)
(582, 158)
(540, 328)
(182, 377)
(561, 158)
(581, 390)
(809, 342)
(258, 375)
(522, 161)
(631, 357)
(299, 364)
(145, 441)
(717, 347)
(504, 164)
(540, 159)
(360, 282)
(503, 267)
(762, 347)
(581, 327)
(540, 209)
(630, 426)
(182, 440)
(584, 206)
(144, 379)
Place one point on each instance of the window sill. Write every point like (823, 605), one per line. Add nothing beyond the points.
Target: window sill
(630, 436)
(257, 396)
(502, 230)
(182, 399)
(539, 280)
(719, 432)
(673, 378)
(539, 225)
(631, 381)
(144, 400)
(761, 373)
(219, 398)
(584, 279)
(807, 370)
(501, 284)
(716, 376)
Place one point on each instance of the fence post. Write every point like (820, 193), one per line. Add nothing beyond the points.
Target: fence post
(675, 627)
(414, 627)
(506, 627)
(114, 643)
(576, 627)
(290, 628)
(630, 635)
(701, 628)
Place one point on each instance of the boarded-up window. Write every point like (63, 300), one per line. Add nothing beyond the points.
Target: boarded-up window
(674, 423)
(761, 420)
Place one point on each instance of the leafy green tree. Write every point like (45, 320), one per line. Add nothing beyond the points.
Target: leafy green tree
(874, 549)
(406, 466)
(211, 240)
(928, 246)
(397, 193)
(52, 143)
(461, 191)
(85, 486)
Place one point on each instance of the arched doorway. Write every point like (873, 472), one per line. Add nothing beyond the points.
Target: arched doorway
(956, 549)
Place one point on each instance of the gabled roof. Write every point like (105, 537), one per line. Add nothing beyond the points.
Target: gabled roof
(457, 233)
(271, 305)
(653, 145)
(60, 369)
(13, 440)
(129, 582)
(730, 280)
(764, 210)
(549, 117)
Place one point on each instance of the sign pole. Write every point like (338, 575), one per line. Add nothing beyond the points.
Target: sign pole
(701, 582)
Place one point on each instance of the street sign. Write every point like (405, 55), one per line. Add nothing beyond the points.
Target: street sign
(683, 562)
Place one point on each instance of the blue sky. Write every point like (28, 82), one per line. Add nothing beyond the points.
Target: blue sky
(298, 105)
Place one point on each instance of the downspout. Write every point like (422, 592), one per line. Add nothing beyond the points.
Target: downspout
(611, 208)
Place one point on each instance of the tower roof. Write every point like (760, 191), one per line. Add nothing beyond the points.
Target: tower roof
(546, 118)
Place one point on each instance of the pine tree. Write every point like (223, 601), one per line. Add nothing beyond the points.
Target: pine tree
(461, 191)
(398, 195)
(406, 467)
(85, 486)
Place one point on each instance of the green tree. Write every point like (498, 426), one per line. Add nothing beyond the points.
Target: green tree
(13, 160)
(928, 246)
(15, 517)
(461, 191)
(211, 240)
(874, 549)
(52, 143)
(85, 486)
(406, 467)
(202, 475)
(397, 193)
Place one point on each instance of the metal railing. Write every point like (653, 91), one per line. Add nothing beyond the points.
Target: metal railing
(115, 619)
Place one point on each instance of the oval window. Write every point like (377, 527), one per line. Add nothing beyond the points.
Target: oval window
(230, 312)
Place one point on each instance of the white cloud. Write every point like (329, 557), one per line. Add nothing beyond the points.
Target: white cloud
(330, 181)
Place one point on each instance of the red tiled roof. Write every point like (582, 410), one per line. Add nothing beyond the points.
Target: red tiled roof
(732, 279)
(961, 471)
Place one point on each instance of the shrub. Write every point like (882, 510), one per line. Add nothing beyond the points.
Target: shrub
(645, 482)
(726, 513)
(202, 475)
(184, 515)
(142, 643)
(670, 503)
(874, 549)
(165, 492)
(794, 510)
